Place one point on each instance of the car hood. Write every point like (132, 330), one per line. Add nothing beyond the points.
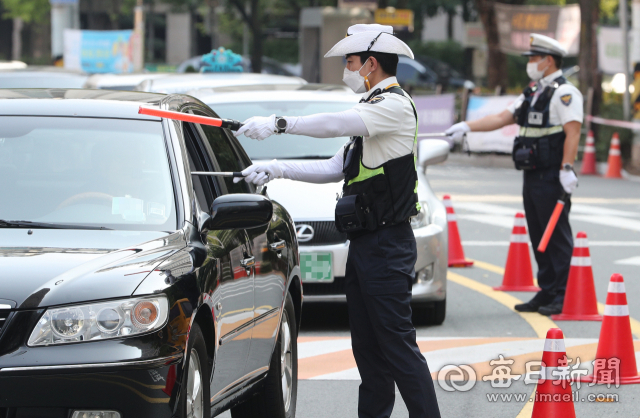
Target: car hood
(306, 201)
(59, 266)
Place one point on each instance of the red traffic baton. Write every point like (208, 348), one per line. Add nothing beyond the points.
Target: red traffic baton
(234, 125)
(551, 226)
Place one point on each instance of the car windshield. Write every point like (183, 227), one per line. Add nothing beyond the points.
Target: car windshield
(285, 146)
(91, 172)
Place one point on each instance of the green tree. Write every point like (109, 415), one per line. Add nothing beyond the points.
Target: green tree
(27, 10)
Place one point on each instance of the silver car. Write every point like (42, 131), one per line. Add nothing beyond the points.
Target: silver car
(182, 83)
(323, 249)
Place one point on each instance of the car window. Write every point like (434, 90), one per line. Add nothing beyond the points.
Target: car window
(406, 73)
(225, 155)
(203, 186)
(87, 171)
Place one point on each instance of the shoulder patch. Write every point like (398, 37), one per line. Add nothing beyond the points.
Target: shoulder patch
(566, 99)
(375, 100)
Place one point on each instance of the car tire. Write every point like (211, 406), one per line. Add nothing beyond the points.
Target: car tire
(194, 394)
(271, 401)
(430, 314)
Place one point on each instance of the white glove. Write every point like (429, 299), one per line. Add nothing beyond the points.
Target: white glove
(258, 127)
(457, 131)
(569, 180)
(261, 173)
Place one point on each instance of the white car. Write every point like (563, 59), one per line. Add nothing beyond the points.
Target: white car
(127, 81)
(182, 83)
(312, 206)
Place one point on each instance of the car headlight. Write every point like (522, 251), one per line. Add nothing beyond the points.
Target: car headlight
(423, 218)
(100, 321)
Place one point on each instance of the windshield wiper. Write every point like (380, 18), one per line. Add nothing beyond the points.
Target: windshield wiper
(45, 225)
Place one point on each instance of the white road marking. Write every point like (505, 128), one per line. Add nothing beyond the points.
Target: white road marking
(615, 221)
(591, 244)
(316, 348)
(496, 220)
(468, 355)
(502, 216)
(633, 261)
(597, 210)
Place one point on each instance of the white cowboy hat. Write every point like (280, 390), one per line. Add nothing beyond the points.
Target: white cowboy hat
(543, 45)
(373, 37)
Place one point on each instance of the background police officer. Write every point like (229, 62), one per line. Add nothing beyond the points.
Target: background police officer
(550, 117)
(379, 173)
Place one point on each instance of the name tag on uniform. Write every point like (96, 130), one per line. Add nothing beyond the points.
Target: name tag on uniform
(535, 118)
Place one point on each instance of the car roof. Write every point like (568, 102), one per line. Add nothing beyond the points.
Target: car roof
(83, 103)
(206, 92)
(181, 83)
(109, 80)
(283, 95)
(41, 77)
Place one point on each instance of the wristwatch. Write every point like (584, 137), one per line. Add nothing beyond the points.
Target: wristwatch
(567, 167)
(281, 124)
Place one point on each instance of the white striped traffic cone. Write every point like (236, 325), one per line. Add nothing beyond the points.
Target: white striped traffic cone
(456, 253)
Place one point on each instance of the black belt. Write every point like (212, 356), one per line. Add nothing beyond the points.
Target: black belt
(357, 234)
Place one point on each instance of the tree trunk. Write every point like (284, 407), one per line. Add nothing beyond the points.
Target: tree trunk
(256, 31)
(16, 41)
(589, 76)
(213, 21)
(497, 74)
(450, 16)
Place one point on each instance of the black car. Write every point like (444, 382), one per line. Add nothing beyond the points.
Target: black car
(128, 286)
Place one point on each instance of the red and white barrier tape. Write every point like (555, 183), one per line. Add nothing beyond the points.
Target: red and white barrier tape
(613, 122)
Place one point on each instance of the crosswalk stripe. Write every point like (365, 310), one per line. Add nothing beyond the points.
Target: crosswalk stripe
(632, 261)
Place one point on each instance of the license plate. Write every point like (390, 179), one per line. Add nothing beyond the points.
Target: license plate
(316, 267)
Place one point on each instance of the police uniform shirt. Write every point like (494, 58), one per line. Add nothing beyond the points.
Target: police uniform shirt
(566, 102)
(391, 124)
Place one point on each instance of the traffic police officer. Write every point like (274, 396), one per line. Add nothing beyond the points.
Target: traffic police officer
(379, 198)
(550, 117)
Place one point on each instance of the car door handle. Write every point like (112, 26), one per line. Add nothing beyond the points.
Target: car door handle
(248, 262)
(277, 246)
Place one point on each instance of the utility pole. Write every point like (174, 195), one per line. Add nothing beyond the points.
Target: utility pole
(635, 57)
(16, 39)
(65, 14)
(624, 25)
(138, 32)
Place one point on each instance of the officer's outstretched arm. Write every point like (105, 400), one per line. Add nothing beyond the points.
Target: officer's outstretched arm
(327, 125)
(323, 171)
(487, 123)
(491, 122)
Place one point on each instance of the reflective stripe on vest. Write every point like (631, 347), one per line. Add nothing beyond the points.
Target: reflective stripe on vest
(530, 132)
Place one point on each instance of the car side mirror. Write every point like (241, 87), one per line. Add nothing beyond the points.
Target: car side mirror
(239, 211)
(432, 151)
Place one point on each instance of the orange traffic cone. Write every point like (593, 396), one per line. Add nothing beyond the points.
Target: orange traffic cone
(589, 156)
(518, 274)
(615, 358)
(553, 396)
(456, 253)
(614, 171)
(580, 303)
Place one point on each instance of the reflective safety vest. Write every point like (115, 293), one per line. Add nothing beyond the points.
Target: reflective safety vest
(539, 145)
(388, 193)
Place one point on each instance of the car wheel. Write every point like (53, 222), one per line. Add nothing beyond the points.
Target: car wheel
(430, 314)
(194, 394)
(277, 397)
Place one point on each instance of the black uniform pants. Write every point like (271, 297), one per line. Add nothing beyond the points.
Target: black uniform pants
(379, 274)
(541, 192)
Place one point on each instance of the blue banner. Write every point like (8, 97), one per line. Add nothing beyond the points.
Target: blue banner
(96, 51)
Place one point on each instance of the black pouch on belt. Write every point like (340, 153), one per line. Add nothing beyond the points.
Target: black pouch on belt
(350, 214)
